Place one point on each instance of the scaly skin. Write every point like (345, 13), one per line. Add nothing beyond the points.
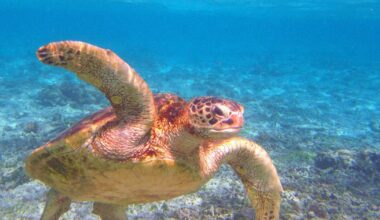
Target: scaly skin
(144, 148)
(127, 92)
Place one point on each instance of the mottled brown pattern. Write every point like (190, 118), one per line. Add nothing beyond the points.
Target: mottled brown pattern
(57, 166)
(144, 148)
(216, 113)
(99, 117)
(169, 106)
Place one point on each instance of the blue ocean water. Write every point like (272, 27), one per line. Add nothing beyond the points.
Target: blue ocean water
(308, 74)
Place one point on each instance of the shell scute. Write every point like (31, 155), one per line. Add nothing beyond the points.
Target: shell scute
(57, 157)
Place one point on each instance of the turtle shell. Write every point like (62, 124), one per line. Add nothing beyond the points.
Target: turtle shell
(69, 165)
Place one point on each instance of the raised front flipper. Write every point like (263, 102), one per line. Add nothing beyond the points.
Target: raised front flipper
(128, 93)
(256, 170)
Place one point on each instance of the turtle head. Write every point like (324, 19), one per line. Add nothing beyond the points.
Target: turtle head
(214, 117)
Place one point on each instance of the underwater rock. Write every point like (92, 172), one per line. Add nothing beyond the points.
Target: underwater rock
(365, 163)
(31, 127)
(334, 160)
(327, 195)
(374, 126)
(75, 93)
(292, 206)
(370, 162)
(245, 213)
(7, 128)
(12, 177)
(186, 213)
(56, 117)
(317, 210)
(50, 96)
(67, 92)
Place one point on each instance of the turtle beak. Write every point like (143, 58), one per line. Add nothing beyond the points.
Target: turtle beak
(242, 109)
(231, 125)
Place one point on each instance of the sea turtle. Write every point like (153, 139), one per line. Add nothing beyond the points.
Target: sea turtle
(144, 147)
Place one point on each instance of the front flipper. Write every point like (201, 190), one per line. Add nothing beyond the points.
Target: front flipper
(128, 93)
(256, 170)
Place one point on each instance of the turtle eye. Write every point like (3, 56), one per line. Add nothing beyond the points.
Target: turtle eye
(217, 111)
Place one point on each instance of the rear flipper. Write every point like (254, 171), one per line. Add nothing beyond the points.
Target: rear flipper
(109, 212)
(56, 205)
